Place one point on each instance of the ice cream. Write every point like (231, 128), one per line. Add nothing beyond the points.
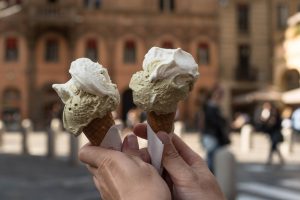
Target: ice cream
(167, 77)
(89, 98)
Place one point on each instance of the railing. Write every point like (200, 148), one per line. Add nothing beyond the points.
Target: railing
(52, 14)
(245, 73)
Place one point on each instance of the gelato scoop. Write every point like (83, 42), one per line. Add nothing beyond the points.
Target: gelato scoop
(167, 77)
(88, 96)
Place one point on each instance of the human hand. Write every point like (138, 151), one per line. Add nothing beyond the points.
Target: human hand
(124, 175)
(189, 177)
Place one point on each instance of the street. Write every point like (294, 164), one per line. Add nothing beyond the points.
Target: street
(37, 177)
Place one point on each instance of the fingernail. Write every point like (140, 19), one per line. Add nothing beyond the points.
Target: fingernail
(163, 137)
(132, 140)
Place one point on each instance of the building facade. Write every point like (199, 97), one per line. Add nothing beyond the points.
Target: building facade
(40, 38)
(251, 47)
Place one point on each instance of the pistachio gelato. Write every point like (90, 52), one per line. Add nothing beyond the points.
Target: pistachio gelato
(167, 77)
(89, 94)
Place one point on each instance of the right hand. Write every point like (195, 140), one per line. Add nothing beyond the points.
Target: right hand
(189, 176)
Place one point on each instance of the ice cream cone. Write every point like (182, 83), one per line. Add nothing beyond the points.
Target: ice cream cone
(162, 122)
(96, 130)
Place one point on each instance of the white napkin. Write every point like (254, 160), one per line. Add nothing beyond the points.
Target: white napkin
(155, 148)
(112, 139)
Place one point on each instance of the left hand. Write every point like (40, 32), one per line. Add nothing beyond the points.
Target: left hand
(124, 175)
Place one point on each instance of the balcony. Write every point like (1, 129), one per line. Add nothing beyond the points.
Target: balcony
(46, 14)
(243, 73)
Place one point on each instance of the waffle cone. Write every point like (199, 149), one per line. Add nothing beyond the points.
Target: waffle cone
(96, 130)
(162, 122)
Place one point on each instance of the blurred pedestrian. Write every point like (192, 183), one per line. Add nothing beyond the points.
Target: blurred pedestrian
(213, 124)
(270, 122)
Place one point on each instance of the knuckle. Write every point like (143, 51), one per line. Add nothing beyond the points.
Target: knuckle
(106, 163)
(170, 152)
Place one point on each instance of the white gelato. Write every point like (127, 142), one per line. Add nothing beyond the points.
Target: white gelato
(167, 77)
(89, 94)
(169, 63)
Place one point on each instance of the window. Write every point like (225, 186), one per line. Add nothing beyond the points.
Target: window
(97, 3)
(166, 5)
(243, 17)
(91, 50)
(51, 51)
(203, 54)
(92, 3)
(11, 97)
(11, 49)
(167, 45)
(282, 15)
(52, 1)
(243, 70)
(244, 56)
(129, 52)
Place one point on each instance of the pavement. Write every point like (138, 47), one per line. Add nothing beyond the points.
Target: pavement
(38, 178)
(34, 176)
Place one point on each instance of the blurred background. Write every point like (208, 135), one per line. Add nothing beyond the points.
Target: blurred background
(247, 50)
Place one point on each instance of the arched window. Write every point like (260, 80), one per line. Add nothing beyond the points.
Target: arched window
(11, 49)
(11, 103)
(167, 45)
(91, 49)
(11, 97)
(51, 50)
(129, 55)
(203, 56)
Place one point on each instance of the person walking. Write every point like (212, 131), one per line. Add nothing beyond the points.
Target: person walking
(213, 125)
(270, 123)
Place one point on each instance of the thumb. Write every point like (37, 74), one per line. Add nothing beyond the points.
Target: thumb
(171, 160)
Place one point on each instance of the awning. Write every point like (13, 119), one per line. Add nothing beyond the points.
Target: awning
(260, 95)
(291, 97)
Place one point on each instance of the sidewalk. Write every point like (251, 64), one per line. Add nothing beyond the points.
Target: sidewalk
(39, 178)
(35, 177)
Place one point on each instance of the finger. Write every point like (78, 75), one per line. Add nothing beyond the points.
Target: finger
(145, 155)
(130, 146)
(171, 160)
(188, 155)
(140, 130)
(130, 142)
